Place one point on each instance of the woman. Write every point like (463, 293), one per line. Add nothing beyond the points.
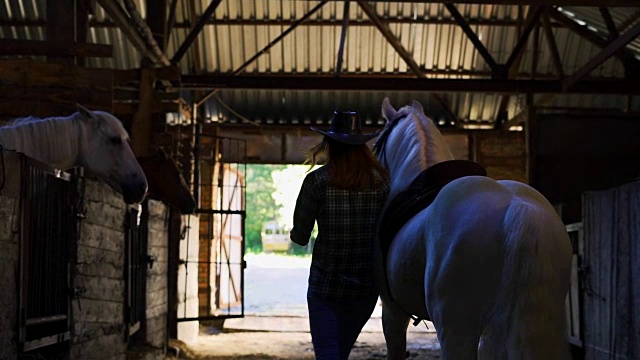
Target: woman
(345, 197)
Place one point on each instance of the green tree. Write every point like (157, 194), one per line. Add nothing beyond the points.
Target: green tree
(261, 206)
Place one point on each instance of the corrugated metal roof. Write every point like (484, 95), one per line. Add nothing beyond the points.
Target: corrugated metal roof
(240, 29)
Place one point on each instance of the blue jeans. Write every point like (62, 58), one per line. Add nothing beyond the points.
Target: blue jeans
(335, 325)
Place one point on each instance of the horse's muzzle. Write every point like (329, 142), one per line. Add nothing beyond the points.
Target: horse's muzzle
(135, 192)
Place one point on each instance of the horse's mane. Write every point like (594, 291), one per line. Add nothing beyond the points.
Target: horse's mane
(414, 131)
(57, 143)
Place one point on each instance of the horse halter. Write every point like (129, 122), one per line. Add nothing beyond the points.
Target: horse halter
(379, 145)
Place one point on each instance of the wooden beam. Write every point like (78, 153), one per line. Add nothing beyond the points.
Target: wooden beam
(156, 21)
(608, 20)
(25, 73)
(583, 31)
(311, 82)
(133, 94)
(343, 36)
(108, 23)
(266, 48)
(404, 54)
(460, 20)
(44, 89)
(171, 21)
(119, 16)
(147, 35)
(54, 48)
(195, 31)
(141, 123)
(551, 44)
(531, 22)
(156, 107)
(61, 26)
(602, 56)
(607, 3)
(123, 77)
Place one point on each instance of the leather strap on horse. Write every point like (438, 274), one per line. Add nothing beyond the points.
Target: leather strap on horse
(418, 196)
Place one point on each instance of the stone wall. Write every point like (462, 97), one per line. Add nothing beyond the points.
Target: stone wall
(157, 288)
(97, 314)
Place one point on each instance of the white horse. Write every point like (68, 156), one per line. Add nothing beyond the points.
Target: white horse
(488, 261)
(95, 140)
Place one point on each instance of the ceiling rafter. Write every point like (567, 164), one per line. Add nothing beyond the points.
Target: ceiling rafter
(482, 50)
(625, 55)
(119, 16)
(387, 83)
(282, 35)
(195, 31)
(531, 22)
(613, 47)
(608, 3)
(551, 43)
(343, 36)
(405, 55)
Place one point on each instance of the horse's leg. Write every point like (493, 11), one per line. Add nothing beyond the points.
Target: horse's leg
(458, 302)
(459, 337)
(394, 326)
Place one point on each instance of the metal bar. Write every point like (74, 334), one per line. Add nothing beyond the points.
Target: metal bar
(602, 56)
(472, 36)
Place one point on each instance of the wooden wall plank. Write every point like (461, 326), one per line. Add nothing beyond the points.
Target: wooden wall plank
(28, 87)
(612, 283)
(54, 48)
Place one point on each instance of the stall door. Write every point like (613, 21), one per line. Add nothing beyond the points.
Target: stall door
(215, 264)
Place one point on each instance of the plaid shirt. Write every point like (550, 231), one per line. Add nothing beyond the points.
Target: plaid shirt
(342, 263)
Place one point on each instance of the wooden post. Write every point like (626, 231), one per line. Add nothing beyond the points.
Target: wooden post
(141, 126)
(59, 28)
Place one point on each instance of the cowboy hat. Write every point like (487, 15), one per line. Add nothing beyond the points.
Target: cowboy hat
(346, 127)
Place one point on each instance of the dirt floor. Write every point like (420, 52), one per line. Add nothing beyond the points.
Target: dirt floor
(275, 325)
(297, 346)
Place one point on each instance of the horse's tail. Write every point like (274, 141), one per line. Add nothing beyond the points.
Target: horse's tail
(528, 321)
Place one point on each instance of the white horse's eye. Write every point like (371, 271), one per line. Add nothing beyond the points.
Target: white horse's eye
(116, 140)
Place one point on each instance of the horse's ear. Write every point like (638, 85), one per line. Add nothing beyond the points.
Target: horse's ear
(416, 106)
(86, 113)
(388, 112)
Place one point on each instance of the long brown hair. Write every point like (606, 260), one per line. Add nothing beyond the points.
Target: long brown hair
(351, 167)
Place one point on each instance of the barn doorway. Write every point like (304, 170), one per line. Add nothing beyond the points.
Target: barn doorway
(277, 270)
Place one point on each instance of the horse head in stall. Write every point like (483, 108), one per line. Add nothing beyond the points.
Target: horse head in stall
(166, 182)
(487, 261)
(95, 140)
